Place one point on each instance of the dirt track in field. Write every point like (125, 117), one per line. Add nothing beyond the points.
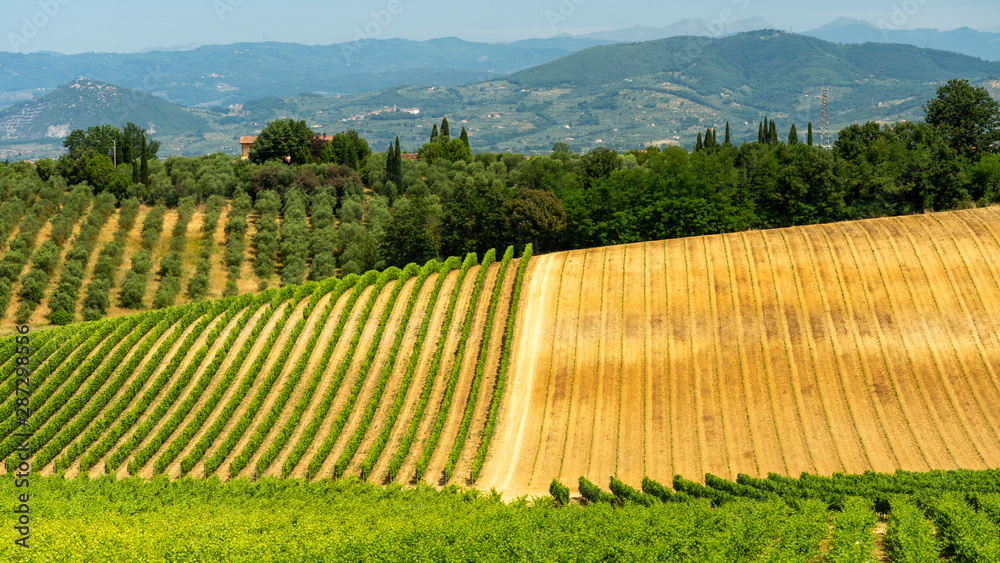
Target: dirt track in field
(870, 345)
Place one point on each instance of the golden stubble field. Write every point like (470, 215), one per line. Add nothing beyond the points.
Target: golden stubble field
(870, 345)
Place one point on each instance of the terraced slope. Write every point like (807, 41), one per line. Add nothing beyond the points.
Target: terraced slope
(362, 376)
(871, 345)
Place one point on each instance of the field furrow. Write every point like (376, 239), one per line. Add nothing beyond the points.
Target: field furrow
(798, 440)
(685, 438)
(824, 356)
(917, 355)
(728, 360)
(931, 333)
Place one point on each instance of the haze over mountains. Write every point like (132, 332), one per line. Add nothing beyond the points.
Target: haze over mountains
(523, 96)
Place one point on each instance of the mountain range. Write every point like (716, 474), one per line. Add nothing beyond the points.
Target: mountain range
(223, 75)
(619, 95)
(963, 40)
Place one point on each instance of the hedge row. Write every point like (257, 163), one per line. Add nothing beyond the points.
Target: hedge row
(359, 285)
(265, 240)
(456, 369)
(110, 438)
(338, 424)
(243, 458)
(273, 298)
(162, 403)
(109, 259)
(198, 284)
(46, 346)
(62, 302)
(46, 258)
(491, 420)
(71, 357)
(411, 433)
(281, 440)
(236, 229)
(294, 239)
(249, 307)
(411, 367)
(470, 405)
(68, 424)
(322, 244)
(60, 386)
(241, 426)
(354, 443)
(21, 247)
(171, 265)
(236, 305)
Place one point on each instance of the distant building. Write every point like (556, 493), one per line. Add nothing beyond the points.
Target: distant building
(245, 144)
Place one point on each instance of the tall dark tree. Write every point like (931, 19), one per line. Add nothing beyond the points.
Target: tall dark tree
(147, 150)
(793, 136)
(727, 142)
(966, 116)
(434, 133)
(760, 132)
(809, 139)
(445, 136)
(698, 144)
(465, 137)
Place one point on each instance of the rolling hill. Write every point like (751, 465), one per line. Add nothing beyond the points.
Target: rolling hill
(86, 102)
(621, 96)
(848, 347)
(236, 73)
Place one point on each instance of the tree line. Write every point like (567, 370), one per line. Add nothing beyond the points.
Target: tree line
(389, 211)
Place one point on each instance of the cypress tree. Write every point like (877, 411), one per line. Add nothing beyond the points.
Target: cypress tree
(144, 162)
(809, 139)
(444, 129)
(434, 133)
(773, 133)
(390, 164)
(793, 136)
(727, 141)
(760, 132)
(398, 163)
(698, 144)
(465, 137)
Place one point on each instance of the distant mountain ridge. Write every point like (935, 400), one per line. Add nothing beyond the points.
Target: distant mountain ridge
(621, 96)
(963, 40)
(220, 75)
(223, 75)
(692, 27)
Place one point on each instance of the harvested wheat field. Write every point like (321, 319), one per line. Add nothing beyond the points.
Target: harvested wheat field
(869, 345)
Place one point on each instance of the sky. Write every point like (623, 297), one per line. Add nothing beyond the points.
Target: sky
(76, 26)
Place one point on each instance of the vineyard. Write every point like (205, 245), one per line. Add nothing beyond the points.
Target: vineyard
(839, 348)
(392, 376)
(701, 374)
(900, 517)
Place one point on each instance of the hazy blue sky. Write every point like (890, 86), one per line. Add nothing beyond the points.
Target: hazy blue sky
(74, 26)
